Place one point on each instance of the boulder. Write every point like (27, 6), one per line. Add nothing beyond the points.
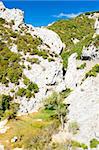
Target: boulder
(14, 139)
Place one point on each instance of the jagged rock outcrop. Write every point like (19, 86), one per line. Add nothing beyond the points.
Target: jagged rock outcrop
(48, 75)
(52, 39)
(73, 76)
(14, 16)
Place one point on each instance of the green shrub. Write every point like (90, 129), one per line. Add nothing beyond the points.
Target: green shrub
(76, 144)
(12, 111)
(29, 67)
(12, 90)
(94, 143)
(21, 92)
(2, 21)
(51, 59)
(82, 66)
(60, 109)
(5, 102)
(33, 60)
(65, 93)
(33, 87)
(14, 35)
(26, 81)
(9, 67)
(8, 109)
(93, 72)
(29, 94)
(29, 91)
(27, 43)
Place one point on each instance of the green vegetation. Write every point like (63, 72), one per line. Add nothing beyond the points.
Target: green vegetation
(34, 128)
(27, 43)
(51, 59)
(2, 21)
(8, 108)
(93, 72)
(55, 103)
(34, 131)
(65, 93)
(26, 81)
(76, 144)
(29, 91)
(10, 70)
(94, 143)
(81, 28)
(42, 53)
(33, 60)
(82, 66)
(33, 87)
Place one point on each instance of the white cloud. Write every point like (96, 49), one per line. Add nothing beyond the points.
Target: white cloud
(72, 15)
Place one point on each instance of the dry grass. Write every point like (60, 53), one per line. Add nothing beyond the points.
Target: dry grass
(24, 127)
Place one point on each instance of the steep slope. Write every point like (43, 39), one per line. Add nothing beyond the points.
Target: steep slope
(35, 62)
(82, 127)
(31, 67)
(76, 34)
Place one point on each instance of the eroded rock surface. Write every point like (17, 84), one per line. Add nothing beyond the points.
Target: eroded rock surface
(84, 109)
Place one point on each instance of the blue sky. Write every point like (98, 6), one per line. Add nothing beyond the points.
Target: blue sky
(41, 13)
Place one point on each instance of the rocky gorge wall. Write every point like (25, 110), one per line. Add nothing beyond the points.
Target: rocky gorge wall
(49, 75)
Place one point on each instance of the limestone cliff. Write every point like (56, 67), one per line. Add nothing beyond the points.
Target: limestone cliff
(35, 62)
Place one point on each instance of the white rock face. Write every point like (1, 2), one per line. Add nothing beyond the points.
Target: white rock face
(96, 26)
(9, 15)
(3, 127)
(49, 77)
(95, 16)
(84, 109)
(45, 73)
(90, 52)
(49, 37)
(72, 74)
